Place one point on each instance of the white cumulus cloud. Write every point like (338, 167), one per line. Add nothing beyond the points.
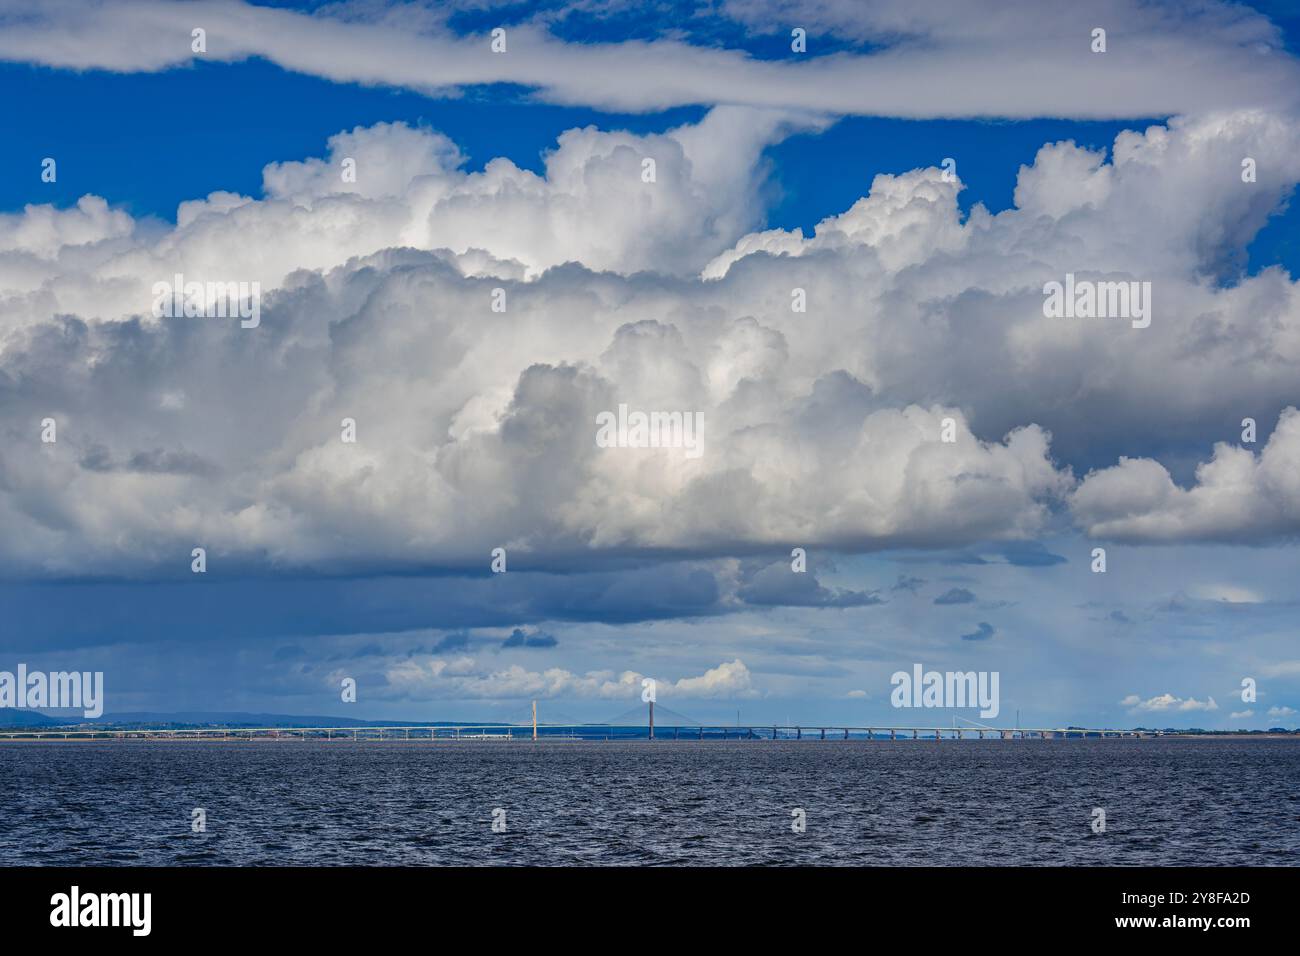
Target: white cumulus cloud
(1168, 702)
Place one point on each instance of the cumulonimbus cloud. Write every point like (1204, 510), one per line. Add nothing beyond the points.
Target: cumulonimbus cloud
(476, 428)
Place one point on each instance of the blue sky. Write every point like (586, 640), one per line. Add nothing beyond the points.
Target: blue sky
(324, 565)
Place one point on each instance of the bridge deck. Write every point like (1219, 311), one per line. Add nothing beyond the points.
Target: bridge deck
(574, 731)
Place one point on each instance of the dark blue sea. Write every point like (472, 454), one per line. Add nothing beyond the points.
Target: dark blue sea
(279, 802)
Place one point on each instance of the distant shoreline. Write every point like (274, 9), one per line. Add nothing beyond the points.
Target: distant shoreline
(240, 736)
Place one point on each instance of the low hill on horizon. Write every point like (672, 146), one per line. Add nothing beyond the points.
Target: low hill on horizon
(30, 719)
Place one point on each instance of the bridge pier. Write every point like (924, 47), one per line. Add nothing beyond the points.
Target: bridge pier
(798, 733)
(846, 733)
(823, 733)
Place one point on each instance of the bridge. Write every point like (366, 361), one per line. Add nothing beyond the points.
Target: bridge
(551, 732)
(680, 728)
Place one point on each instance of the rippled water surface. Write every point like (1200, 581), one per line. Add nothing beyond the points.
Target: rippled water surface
(970, 802)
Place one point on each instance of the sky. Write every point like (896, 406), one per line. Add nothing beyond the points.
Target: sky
(839, 262)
